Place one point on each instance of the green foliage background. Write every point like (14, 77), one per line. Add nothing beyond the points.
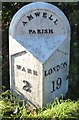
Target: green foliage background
(71, 10)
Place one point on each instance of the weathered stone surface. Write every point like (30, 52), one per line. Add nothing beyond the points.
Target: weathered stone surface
(39, 48)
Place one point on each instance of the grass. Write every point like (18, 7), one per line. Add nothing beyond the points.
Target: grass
(14, 109)
(61, 110)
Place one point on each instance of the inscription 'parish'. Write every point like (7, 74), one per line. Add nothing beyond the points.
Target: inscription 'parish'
(43, 15)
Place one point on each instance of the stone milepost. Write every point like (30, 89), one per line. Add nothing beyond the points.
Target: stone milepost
(39, 50)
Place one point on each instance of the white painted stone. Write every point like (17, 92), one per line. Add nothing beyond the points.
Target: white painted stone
(39, 50)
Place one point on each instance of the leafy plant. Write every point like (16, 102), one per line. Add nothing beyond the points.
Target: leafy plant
(12, 108)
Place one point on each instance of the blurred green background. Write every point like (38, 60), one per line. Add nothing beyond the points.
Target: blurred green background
(71, 10)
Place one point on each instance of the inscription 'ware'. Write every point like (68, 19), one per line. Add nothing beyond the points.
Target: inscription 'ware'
(28, 70)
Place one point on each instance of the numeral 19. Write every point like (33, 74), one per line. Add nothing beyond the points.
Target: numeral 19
(56, 84)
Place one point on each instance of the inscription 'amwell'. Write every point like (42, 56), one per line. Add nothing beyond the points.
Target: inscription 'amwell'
(40, 14)
(43, 15)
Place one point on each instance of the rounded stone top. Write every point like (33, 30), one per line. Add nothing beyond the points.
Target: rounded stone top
(40, 28)
(38, 14)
